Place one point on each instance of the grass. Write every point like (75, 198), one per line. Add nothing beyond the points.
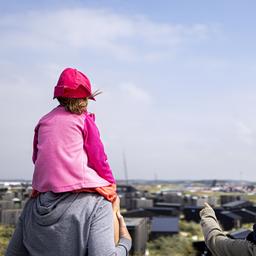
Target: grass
(5, 235)
(171, 246)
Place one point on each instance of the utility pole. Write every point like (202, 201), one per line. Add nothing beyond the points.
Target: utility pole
(241, 177)
(155, 178)
(125, 168)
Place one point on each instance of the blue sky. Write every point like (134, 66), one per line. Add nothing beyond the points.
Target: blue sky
(178, 79)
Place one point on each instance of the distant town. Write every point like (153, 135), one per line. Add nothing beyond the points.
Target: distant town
(159, 208)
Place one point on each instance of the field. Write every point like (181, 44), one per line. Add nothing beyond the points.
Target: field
(5, 235)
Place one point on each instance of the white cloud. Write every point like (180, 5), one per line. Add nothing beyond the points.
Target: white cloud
(122, 36)
(136, 93)
(188, 131)
(245, 133)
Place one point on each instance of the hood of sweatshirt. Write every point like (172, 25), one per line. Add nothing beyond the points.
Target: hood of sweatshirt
(47, 208)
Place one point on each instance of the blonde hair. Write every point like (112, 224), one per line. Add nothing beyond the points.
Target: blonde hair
(76, 106)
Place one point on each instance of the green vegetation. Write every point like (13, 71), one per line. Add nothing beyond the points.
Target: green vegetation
(154, 188)
(5, 235)
(177, 245)
(191, 229)
(248, 226)
(251, 198)
(171, 246)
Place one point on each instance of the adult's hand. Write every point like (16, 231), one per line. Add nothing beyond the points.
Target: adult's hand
(116, 205)
(116, 208)
(123, 231)
(206, 205)
(206, 211)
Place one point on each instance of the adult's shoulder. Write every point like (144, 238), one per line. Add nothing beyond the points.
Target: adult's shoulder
(92, 201)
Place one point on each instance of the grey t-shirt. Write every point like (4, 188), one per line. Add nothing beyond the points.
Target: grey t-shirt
(66, 224)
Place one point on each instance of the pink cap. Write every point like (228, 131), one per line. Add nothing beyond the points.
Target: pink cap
(73, 84)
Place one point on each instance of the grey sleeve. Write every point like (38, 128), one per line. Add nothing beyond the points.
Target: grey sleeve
(123, 246)
(16, 246)
(101, 236)
(218, 243)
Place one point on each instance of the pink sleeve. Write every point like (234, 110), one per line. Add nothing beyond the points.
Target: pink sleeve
(35, 141)
(97, 159)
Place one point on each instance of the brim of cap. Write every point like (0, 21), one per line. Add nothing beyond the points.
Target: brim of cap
(61, 92)
(90, 98)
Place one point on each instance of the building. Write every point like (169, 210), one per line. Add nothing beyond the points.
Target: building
(164, 226)
(237, 205)
(123, 189)
(152, 212)
(7, 204)
(168, 205)
(246, 215)
(172, 197)
(224, 199)
(138, 229)
(239, 234)
(143, 202)
(229, 220)
(212, 200)
(128, 194)
(251, 208)
(10, 216)
(191, 213)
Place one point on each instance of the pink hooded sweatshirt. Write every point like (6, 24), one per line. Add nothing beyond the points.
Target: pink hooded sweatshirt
(68, 153)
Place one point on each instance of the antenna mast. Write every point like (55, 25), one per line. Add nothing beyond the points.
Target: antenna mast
(125, 168)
